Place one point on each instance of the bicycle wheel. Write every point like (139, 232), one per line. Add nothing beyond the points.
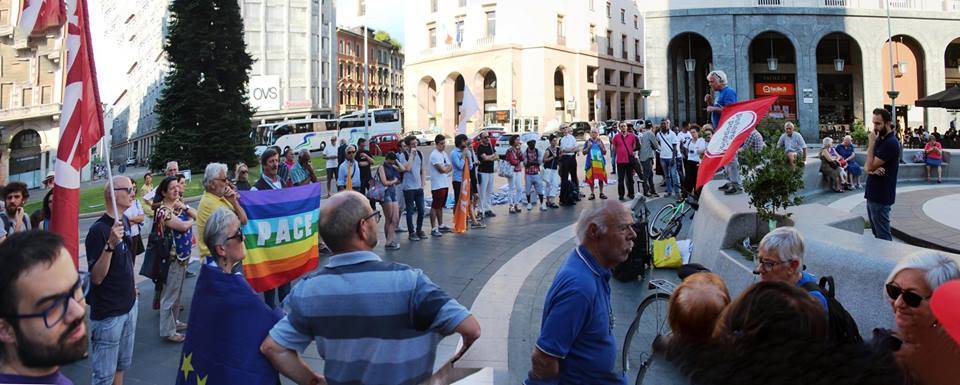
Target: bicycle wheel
(662, 220)
(649, 323)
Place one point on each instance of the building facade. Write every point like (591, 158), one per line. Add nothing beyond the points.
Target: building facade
(827, 60)
(294, 74)
(138, 28)
(31, 78)
(385, 71)
(531, 65)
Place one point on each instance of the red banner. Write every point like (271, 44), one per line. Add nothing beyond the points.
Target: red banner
(736, 123)
(81, 127)
(36, 16)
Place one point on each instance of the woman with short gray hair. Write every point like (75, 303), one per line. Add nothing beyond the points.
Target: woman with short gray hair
(830, 165)
(909, 288)
(224, 237)
(780, 258)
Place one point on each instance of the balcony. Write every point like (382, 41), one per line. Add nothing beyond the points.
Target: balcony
(609, 50)
(485, 41)
(11, 115)
(562, 40)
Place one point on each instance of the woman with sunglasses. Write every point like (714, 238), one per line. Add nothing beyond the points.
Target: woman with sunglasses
(909, 288)
(178, 218)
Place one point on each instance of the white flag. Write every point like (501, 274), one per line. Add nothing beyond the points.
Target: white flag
(467, 108)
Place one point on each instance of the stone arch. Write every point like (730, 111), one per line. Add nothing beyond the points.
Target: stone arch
(686, 89)
(25, 157)
(909, 68)
(839, 85)
(559, 93)
(487, 79)
(426, 102)
(951, 60)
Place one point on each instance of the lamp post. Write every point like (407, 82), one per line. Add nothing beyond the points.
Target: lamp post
(772, 62)
(644, 93)
(893, 89)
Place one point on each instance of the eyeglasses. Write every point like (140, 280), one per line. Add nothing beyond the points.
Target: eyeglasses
(351, 152)
(768, 264)
(239, 235)
(54, 313)
(376, 214)
(910, 298)
(129, 190)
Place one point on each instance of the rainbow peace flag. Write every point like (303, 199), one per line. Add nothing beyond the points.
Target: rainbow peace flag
(281, 234)
(596, 164)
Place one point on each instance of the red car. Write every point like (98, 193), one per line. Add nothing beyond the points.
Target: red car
(494, 132)
(381, 144)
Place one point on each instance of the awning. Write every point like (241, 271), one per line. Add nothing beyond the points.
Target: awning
(949, 98)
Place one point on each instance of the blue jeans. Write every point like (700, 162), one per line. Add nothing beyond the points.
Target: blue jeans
(879, 216)
(414, 199)
(111, 345)
(670, 175)
(274, 297)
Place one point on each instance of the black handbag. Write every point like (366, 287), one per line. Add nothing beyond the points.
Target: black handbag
(156, 261)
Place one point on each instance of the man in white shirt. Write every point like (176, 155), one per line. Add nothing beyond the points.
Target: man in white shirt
(683, 138)
(568, 161)
(439, 184)
(669, 152)
(330, 154)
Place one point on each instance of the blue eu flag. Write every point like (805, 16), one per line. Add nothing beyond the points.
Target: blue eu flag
(228, 321)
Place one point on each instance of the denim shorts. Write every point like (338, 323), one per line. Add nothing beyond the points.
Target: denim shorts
(111, 345)
(389, 194)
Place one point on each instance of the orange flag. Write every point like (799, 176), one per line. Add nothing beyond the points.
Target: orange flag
(349, 176)
(460, 212)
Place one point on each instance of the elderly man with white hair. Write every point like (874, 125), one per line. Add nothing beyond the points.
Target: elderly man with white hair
(217, 193)
(576, 343)
(715, 104)
(792, 143)
(780, 259)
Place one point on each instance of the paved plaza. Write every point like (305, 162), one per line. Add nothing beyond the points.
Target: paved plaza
(502, 273)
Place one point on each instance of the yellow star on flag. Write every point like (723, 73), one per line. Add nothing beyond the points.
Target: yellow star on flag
(186, 367)
(202, 380)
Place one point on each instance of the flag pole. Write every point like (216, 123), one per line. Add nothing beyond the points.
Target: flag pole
(113, 193)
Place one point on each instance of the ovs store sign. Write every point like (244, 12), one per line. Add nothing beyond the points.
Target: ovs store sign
(265, 92)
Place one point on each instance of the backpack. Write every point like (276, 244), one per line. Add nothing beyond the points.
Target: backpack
(842, 327)
(639, 257)
(568, 193)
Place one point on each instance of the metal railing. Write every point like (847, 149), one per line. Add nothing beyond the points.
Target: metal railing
(913, 5)
(561, 40)
(485, 41)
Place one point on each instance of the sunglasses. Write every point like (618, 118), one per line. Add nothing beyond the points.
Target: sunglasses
(239, 235)
(129, 190)
(910, 298)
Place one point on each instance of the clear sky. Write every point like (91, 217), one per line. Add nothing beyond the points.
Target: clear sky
(384, 15)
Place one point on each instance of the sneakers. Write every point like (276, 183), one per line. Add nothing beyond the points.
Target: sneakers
(477, 225)
(489, 214)
(529, 207)
(436, 233)
(543, 207)
(401, 228)
(414, 238)
(392, 246)
(445, 229)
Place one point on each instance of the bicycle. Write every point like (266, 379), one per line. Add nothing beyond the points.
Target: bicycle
(669, 219)
(651, 317)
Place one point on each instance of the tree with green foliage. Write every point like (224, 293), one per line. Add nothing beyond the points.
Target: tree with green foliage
(770, 181)
(204, 115)
(386, 38)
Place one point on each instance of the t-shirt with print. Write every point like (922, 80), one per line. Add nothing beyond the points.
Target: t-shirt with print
(439, 180)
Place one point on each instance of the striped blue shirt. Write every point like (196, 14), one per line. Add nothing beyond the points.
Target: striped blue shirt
(374, 322)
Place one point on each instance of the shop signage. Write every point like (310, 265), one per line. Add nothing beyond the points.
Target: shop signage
(264, 92)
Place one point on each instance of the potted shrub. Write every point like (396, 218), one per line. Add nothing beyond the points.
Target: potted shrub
(859, 133)
(772, 185)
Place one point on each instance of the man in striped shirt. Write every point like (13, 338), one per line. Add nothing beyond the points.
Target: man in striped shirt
(374, 322)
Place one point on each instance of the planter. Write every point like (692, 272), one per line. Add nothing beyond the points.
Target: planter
(748, 243)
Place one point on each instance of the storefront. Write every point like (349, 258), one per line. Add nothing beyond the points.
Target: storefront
(781, 85)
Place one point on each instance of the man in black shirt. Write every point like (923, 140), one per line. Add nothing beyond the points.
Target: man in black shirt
(342, 152)
(113, 295)
(365, 161)
(487, 156)
(883, 163)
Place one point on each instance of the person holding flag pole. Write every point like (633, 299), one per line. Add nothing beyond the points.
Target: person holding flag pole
(462, 162)
(737, 123)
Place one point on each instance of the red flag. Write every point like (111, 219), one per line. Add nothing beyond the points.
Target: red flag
(39, 15)
(736, 123)
(81, 126)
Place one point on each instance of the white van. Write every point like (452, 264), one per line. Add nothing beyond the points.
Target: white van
(313, 141)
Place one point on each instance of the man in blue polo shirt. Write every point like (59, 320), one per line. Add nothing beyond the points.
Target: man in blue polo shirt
(576, 343)
(883, 163)
(725, 96)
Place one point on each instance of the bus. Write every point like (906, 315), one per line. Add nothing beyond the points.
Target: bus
(378, 120)
(296, 133)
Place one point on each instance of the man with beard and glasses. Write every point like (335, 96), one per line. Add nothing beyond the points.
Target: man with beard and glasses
(42, 309)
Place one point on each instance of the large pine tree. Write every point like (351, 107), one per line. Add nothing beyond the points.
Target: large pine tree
(203, 111)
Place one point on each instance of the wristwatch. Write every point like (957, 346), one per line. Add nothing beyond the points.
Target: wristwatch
(108, 248)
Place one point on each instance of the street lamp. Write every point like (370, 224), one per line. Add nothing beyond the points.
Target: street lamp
(838, 62)
(645, 93)
(690, 63)
(772, 61)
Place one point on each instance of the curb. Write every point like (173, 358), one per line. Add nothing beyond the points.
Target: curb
(99, 213)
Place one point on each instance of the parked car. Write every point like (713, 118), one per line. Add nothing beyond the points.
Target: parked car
(131, 162)
(424, 137)
(495, 133)
(580, 130)
(384, 143)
